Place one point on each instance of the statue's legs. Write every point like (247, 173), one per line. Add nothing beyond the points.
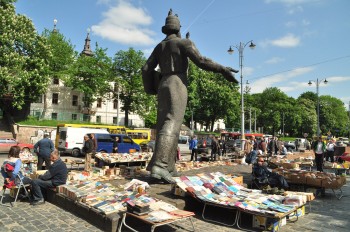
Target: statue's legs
(172, 99)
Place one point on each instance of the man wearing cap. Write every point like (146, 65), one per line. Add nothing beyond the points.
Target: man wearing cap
(319, 148)
(330, 150)
(171, 55)
(262, 173)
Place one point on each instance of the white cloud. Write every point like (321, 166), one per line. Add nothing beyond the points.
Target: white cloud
(247, 71)
(289, 40)
(290, 2)
(126, 24)
(337, 79)
(282, 78)
(274, 60)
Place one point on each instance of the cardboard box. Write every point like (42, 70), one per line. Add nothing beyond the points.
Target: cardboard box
(268, 224)
(317, 182)
(177, 190)
(298, 213)
(297, 179)
(335, 183)
(238, 179)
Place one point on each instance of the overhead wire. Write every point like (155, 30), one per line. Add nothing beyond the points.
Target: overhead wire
(305, 66)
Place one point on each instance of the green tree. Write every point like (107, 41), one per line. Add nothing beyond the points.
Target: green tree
(333, 115)
(127, 65)
(308, 116)
(63, 56)
(211, 97)
(272, 103)
(24, 68)
(91, 75)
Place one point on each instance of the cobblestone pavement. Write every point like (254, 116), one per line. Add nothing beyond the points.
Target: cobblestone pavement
(327, 214)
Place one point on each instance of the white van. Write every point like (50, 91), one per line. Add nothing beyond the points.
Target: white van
(71, 139)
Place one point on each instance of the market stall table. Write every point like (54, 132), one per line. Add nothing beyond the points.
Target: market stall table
(154, 225)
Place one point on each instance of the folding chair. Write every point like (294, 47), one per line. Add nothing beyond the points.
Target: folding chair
(258, 183)
(19, 185)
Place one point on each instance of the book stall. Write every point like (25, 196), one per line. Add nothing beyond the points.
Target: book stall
(296, 163)
(130, 199)
(219, 190)
(314, 179)
(115, 159)
(189, 165)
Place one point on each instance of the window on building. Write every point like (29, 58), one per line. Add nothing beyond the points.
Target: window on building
(98, 119)
(55, 98)
(37, 114)
(115, 87)
(115, 120)
(75, 100)
(56, 81)
(74, 116)
(99, 103)
(86, 117)
(54, 116)
(86, 104)
(115, 104)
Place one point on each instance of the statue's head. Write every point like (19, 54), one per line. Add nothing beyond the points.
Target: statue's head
(172, 24)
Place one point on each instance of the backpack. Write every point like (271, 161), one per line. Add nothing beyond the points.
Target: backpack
(8, 167)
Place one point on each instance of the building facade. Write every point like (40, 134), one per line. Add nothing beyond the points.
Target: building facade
(65, 104)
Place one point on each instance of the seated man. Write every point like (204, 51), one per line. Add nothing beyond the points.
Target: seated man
(261, 172)
(55, 176)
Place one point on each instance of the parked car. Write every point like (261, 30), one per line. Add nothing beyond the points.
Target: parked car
(290, 145)
(148, 146)
(105, 143)
(7, 143)
(204, 146)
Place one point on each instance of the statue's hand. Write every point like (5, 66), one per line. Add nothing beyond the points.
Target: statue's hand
(233, 70)
(229, 75)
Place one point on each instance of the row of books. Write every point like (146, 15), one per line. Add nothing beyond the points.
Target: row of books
(220, 189)
(111, 199)
(124, 157)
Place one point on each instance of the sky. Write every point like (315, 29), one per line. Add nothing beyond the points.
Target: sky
(296, 40)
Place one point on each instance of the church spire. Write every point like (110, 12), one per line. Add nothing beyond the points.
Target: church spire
(87, 50)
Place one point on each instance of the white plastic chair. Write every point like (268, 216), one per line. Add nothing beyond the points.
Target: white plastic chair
(19, 186)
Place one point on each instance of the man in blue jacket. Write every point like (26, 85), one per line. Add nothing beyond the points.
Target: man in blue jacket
(55, 176)
(43, 149)
(193, 148)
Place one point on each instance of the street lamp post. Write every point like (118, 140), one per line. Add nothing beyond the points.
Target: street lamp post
(317, 82)
(240, 49)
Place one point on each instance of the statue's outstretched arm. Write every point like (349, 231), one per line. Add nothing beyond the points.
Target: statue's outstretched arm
(207, 64)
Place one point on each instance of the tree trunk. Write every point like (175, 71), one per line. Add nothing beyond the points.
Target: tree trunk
(45, 107)
(126, 118)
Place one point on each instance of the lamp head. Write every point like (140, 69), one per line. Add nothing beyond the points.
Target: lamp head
(252, 45)
(230, 51)
(54, 22)
(310, 83)
(325, 81)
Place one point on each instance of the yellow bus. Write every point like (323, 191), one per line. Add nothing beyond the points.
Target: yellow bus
(112, 129)
(139, 135)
